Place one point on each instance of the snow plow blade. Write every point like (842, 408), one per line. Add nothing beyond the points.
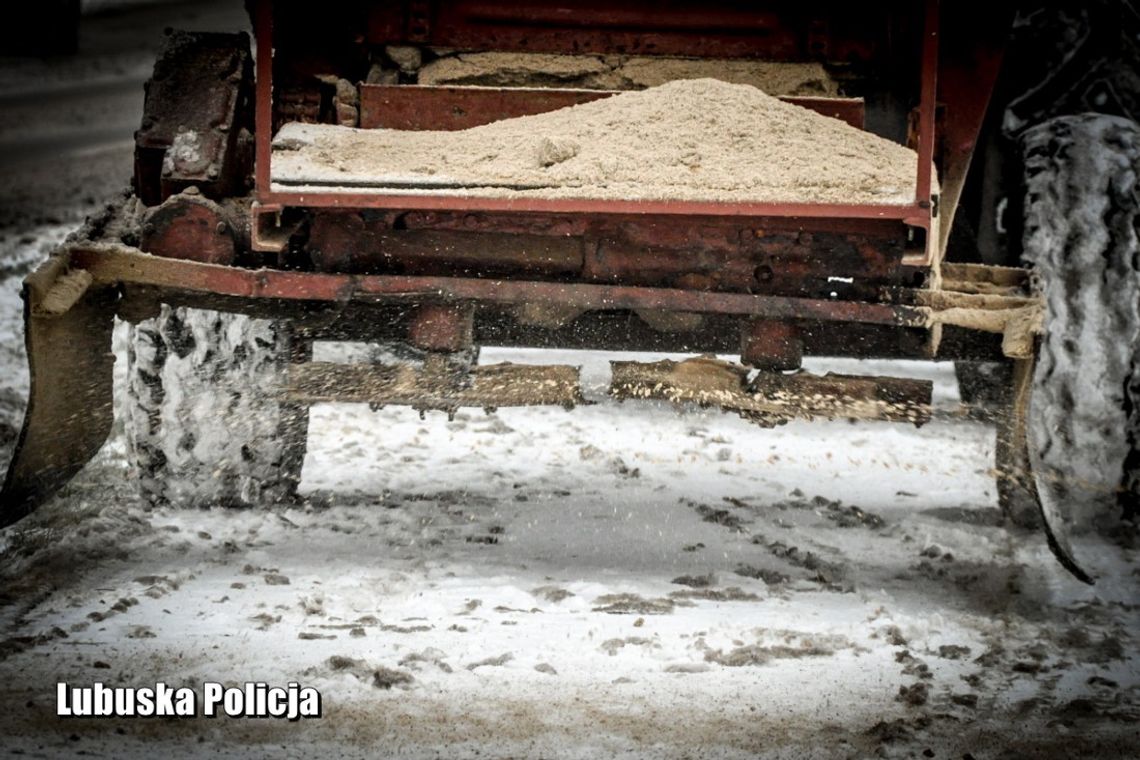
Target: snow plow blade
(68, 325)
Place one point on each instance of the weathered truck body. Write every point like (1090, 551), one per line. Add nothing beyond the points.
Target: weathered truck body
(212, 224)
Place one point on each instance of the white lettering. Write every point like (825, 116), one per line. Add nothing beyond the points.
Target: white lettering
(186, 704)
(144, 703)
(62, 701)
(232, 702)
(103, 701)
(310, 706)
(251, 700)
(212, 698)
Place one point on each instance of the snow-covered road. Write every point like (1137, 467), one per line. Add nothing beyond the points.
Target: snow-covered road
(622, 579)
(625, 579)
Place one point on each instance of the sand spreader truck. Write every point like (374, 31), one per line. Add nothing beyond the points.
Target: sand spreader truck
(706, 179)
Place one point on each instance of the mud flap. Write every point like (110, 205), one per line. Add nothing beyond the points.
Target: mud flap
(67, 332)
(1026, 469)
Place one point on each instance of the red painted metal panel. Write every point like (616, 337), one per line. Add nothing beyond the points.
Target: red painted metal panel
(971, 55)
(714, 28)
(417, 107)
(263, 112)
(927, 104)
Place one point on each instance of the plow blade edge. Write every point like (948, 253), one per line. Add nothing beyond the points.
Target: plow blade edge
(68, 326)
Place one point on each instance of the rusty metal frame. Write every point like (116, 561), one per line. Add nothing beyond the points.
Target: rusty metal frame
(1017, 318)
(71, 301)
(634, 28)
(114, 265)
(926, 107)
(918, 213)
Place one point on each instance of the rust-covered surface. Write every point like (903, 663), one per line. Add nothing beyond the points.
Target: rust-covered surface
(774, 256)
(775, 34)
(69, 414)
(417, 107)
(191, 226)
(489, 386)
(114, 264)
(197, 118)
(712, 29)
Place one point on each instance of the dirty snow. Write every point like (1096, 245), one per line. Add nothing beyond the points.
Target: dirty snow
(622, 579)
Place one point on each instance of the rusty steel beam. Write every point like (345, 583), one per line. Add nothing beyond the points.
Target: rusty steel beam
(489, 386)
(927, 103)
(419, 107)
(721, 28)
(346, 243)
(263, 88)
(117, 264)
(774, 398)
(776, 258)
(984, 279)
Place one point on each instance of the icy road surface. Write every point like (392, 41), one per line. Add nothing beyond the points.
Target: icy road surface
(620, 580)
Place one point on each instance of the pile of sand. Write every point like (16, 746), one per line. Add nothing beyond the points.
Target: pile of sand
(697, 139)
(594, 72)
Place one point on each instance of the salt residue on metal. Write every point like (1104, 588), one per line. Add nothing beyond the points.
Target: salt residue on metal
(698, 139)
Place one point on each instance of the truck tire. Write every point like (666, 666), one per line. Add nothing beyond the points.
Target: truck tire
(1081, 213)
(204, 423)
